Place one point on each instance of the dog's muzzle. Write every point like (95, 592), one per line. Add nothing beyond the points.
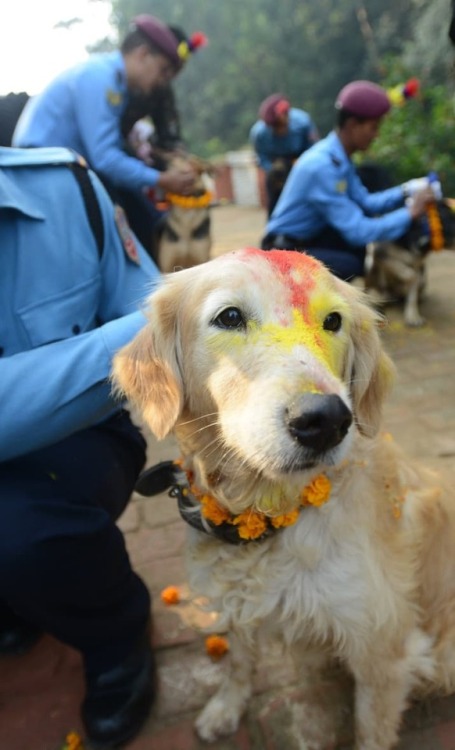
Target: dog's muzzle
(321, 424)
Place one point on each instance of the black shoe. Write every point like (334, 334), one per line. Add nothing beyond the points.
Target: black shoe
(118, 701)
(16, 635)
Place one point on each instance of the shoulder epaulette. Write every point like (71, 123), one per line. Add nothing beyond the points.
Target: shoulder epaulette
(55, 157)
(30, 157)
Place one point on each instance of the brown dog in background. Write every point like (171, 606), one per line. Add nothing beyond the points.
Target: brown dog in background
(184, 236)
(397, 270)
(310, 524)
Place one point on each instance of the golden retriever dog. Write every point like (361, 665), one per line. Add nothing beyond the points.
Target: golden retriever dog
(310, 525)
(184, 237)
(397, 270)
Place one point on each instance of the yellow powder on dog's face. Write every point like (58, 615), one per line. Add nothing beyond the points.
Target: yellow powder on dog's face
(297, 319)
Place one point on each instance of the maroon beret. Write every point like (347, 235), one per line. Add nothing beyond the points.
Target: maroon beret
(363, 99)
(274, 105)
(161, 36)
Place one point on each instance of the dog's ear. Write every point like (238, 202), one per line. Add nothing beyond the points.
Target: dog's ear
(146, 371)
(369, 371)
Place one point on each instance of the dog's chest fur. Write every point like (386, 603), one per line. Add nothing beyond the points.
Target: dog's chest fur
(319, 579)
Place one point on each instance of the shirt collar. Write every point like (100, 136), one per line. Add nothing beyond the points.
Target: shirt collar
(337, 148)
(12, 196)
(120, 69)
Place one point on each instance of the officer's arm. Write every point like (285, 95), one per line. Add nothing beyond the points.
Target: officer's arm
(257, 140)
(52, 391)
(49, 392)
(380, 202)
(330, 200)
(99, 126)
(128, 274)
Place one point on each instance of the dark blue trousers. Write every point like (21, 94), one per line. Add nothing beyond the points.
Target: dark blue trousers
(342, 259)
(63, 561)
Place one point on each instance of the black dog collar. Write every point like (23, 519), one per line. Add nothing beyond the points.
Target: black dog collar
(168, 475)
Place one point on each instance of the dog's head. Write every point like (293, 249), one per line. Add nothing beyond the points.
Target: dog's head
(259, 360)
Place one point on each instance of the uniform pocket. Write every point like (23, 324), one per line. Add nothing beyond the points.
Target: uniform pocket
(62, 316)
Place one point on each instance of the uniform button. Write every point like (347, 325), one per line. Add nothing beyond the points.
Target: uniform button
(76, 328)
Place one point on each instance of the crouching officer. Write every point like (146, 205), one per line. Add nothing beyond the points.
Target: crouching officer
(72, 277)
(324, 208)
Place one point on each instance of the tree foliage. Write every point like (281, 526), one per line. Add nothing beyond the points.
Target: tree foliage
(309, 50)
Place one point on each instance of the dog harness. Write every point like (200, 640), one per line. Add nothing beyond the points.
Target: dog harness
(204, 513)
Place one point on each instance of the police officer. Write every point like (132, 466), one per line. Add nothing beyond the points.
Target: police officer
(281, 134)
(82, 109)
(71, 282)
(325, 210)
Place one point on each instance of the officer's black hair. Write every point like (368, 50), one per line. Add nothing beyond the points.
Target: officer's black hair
(136, 38)
(343, 115)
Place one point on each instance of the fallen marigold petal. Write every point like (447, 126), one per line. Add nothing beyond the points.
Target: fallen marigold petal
(216, 646)
(170, 595)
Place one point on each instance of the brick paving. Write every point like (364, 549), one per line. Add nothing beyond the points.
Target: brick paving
(40, 692)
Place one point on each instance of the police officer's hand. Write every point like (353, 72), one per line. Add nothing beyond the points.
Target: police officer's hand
(420, 201)
(178, 181)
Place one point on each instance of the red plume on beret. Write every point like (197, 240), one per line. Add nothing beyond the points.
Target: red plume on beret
(411, 88)
(196, 40)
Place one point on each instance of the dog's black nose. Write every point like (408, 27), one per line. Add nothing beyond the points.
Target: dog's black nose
(322, 423)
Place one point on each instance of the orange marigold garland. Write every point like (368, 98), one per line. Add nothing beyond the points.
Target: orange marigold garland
(73, 742)
(436, 230)
(190, 201)
(250, 525)
(253, 524)
(317, 492)
(213, 511)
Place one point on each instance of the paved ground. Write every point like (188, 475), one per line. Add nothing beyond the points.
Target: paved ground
(40, 693)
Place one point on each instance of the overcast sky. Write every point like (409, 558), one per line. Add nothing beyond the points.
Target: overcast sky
(32, 51)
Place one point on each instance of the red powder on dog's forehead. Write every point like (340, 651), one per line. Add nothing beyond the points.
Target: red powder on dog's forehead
(298, 270)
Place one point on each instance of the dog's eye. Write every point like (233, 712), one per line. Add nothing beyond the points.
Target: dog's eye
(231, 317)
(333, 322)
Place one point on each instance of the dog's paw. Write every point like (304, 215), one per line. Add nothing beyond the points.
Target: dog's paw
(414, 320)
(217, 720)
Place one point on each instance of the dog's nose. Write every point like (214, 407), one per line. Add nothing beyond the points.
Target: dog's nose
(322, 424)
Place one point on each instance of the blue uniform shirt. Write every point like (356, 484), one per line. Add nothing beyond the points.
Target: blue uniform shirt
(301, 134)
(323, 190)
(82, 110)
(64, 311)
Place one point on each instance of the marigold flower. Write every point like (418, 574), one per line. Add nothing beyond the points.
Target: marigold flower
(250, 525)
(287, 519)
(216, 646)
(73, 742)
(317, 492)
(436, 230)
(190, 201)
(170, 595)
(213, 511)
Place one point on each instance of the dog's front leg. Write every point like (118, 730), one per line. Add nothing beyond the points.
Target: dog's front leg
(222, 714)
(382, 683)
(412, 316)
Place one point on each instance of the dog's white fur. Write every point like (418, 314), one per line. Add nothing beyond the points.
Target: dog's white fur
(369, 575)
